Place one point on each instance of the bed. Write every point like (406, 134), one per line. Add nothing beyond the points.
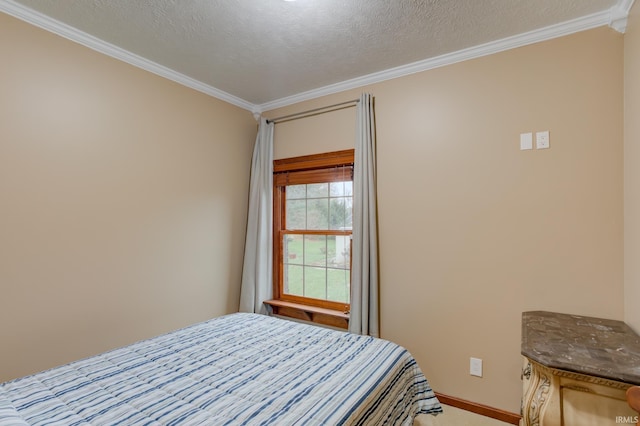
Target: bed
(238, 369)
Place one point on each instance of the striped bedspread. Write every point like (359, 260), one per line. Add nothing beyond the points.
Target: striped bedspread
(239, 369)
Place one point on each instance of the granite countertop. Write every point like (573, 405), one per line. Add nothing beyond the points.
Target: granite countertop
(593, 346)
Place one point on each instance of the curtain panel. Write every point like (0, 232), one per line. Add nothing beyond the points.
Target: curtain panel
(364, 318)
(257, 277)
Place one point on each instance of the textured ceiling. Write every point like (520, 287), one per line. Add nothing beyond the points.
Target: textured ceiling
(265, 50)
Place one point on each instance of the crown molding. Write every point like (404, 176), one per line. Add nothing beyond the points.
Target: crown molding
(620, 14)
(63, 30)
(547, 33)
(615, 17)
(625, 5)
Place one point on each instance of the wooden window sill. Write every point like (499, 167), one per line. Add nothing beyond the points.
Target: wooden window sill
(309, 313)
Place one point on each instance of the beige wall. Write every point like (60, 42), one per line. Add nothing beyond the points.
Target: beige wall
(120, 194)
(330, 131)
(122, 202)
(632, 169)
(474, 231)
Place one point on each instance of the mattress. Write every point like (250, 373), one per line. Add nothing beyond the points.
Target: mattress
(239, 369)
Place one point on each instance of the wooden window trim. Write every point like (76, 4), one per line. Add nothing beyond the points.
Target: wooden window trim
(309, 313)
(314, 161)
(297, 170)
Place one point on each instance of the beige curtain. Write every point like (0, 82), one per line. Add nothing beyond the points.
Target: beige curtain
(364, 318)
(257, 269)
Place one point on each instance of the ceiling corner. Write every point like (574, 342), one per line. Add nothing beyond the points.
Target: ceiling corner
(619, 15)
(46, 23)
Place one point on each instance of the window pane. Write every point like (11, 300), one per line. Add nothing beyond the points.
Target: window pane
(317, 190)
(315, 282)
(340, 213)
(315, 250)
(336, 189)
(293, 251)
(341, 189)
(317, 266)
(340, 251)
(296, 214)
(348, 188)
(294, 280)
(338, 285)
(318, 214)
(296, 191)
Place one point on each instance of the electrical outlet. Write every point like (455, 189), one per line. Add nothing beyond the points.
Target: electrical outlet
(542, 140)
(475, 367)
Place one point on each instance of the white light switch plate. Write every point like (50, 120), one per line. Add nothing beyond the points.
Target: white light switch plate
(526, 141)
(475, 367)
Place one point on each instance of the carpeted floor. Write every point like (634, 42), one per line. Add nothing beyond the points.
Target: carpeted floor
(456, 417)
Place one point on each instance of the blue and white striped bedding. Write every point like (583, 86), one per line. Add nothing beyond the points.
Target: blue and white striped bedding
(239, 369)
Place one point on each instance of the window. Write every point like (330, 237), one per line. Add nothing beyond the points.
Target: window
(313, 199)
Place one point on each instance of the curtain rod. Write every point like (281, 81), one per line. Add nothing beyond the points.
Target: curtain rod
(315, 111)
